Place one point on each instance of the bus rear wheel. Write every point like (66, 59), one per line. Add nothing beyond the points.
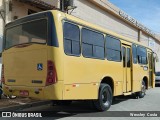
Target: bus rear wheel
(104, 99)
(142, 93)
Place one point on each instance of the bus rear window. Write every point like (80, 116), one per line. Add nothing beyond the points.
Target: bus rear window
(30, 32)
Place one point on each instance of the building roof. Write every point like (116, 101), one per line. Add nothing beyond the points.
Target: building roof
(39, 4)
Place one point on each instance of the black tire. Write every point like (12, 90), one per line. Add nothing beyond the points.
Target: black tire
(62, 102)
(142, 93)
(105, 98)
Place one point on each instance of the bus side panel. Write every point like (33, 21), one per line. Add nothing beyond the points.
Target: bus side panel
(58, 57)
(82, 76)
(57, 53)
(137, 78)
(139, 73)
(151, 69)
(81, 91)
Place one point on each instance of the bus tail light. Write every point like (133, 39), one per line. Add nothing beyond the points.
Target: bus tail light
(2, 75)
(51, 73)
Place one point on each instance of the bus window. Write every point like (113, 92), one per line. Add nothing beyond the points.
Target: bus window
(134, 53)
(92, 44)
(128, 57)
(113, 49)
(25, 33)
(71, 39)
(142, 55)
(124, 56)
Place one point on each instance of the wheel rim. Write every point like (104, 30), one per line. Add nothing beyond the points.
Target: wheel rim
(143, 89)
(105, 98)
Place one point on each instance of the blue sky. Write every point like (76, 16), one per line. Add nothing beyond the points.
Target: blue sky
(145, 11)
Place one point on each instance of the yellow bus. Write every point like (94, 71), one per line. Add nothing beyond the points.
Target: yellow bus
(56, 56)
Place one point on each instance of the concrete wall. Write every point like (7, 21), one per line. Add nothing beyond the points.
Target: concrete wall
(7, 11)
(52, 2)
(144, 39)
(157, 50)
(91, 13)
(20, 9)
(1, 20)
(1, 29)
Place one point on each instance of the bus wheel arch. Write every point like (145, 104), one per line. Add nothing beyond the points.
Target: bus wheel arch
(105, 94)
(145, 79)
(109, 81)
(144, 86)
(105, 97)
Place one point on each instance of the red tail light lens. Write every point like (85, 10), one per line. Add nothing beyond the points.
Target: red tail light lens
(51, 73)
(2, 75)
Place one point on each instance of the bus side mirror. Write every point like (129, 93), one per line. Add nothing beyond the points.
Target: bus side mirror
(0, 54)
(156, 57)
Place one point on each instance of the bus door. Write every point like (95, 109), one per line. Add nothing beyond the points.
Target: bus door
(126, 53)
(150, 65)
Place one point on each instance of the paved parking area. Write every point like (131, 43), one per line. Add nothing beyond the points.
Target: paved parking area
(151, 102)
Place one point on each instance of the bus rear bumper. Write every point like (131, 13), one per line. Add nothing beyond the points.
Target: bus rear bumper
(52, 92)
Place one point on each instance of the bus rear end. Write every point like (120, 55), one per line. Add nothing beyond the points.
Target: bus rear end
(29, 68)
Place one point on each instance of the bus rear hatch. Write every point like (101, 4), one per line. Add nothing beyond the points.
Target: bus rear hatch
(26, 47)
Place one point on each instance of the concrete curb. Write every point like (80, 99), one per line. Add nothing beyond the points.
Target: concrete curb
(28, 105)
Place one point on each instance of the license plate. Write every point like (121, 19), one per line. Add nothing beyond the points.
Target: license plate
(24, 93)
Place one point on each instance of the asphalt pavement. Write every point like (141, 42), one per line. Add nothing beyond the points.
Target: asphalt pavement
(83, 109)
